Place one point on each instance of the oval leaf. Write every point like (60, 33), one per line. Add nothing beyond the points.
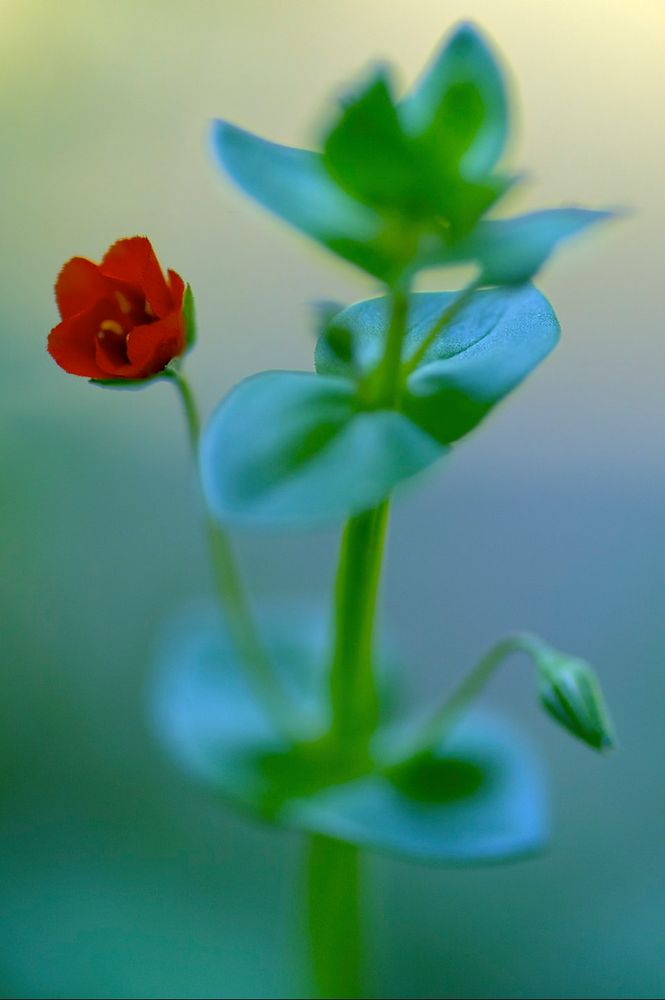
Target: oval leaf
(481, 355)
(477, 798)
(290, 448)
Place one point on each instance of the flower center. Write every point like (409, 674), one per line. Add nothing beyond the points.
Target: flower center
(110, 326)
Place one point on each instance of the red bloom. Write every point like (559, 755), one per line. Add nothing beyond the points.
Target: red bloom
(121, 318)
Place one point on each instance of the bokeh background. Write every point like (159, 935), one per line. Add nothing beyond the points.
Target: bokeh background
(119, 879)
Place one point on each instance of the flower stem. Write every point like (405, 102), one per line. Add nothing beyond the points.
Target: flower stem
(334, 921)
(231, 593)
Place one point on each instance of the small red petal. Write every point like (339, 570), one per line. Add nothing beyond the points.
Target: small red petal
(150, 347)
(72, 343)
(79, 285)
(133, 260)
(177, 286)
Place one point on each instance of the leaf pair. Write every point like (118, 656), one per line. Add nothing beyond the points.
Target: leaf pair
(475, 797)
(295, 448)
(399, 187)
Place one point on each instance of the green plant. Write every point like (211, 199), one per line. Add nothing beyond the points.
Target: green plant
(289, 717)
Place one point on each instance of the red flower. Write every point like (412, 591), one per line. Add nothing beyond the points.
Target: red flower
(121, 318)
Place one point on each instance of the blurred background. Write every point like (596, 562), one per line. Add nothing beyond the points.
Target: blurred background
(119, 879)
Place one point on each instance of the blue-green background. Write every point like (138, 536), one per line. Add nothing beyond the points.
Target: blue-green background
(118, 878)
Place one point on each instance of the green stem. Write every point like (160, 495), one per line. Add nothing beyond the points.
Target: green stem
(231, 592)
(353, 693)
(334, 867)
(388, 375)
(470, 687)
(333, 914)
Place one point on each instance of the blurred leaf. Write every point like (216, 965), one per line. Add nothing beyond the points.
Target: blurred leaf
(569, 691)
(512, 251)
(486, 350)
(293, 448)
(402, 187)
(459, 109)
(369, 155)
(476, 799)
(294, 185)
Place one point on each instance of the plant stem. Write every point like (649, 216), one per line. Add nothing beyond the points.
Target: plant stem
(334, 866)
(333, 913)
(388, 376)
(471, 686)
(231, 592)
(353, 694)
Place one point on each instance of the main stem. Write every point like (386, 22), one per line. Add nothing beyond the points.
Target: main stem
(231, 592)
(335, 932)
(334, 911)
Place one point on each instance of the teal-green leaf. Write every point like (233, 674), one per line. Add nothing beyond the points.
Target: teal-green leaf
(476, 798)
(512, 251)
(482, 355)
(459, 109)
(291, 448)
(294, 185)
(368, 155)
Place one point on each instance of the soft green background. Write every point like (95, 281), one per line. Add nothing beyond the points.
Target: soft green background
(118, 878)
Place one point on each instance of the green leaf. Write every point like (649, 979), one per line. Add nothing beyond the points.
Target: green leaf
(290, 448)
(369, 156)
(480, 357)
(478, 798)
(189, 313)
(459, 109)
(512, 251)
(294, 185)
(569, 691)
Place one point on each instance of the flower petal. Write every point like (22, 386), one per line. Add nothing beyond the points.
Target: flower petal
(133, 260)
(177, 286)
(150, 347)
(79, 285)
(72, 343)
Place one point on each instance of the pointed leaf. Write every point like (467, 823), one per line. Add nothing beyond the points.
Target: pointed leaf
(459, 107)
(369, 156)
(512, 251)
(289, 448)
(294, 185)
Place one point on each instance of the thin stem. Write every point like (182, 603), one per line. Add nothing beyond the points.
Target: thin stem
(388, 380)
(231, 592)
(333, 917)
(471, 686)
(441, 323)
(354, 699)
